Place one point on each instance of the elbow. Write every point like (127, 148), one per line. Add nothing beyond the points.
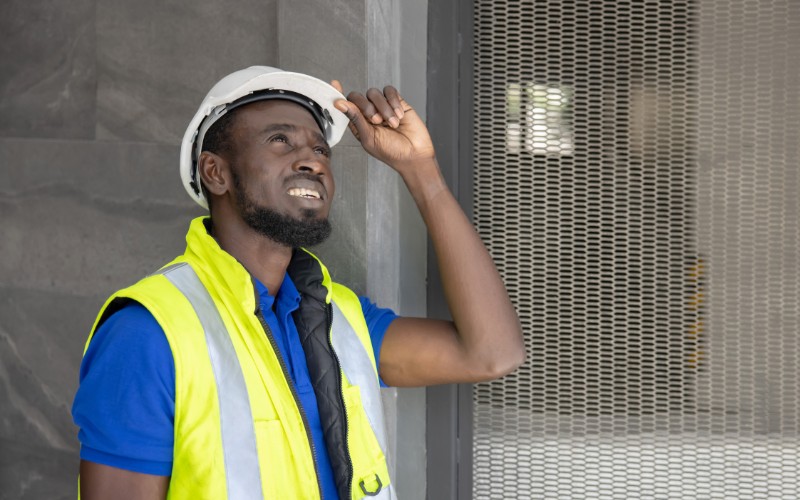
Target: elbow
(499, 369)
(503, 363)
(519, 360)
(515, 356)
(510, 363)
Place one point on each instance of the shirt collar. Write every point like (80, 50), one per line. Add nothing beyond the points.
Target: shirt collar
(288, 297)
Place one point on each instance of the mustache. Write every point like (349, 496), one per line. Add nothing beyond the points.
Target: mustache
(302, 175)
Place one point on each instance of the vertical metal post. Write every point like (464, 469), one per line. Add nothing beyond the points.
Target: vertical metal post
(449, 113)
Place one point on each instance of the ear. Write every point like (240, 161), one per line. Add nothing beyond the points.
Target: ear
(214, 172)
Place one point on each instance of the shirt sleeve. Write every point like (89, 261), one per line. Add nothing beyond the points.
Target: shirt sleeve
(378, 321)
(125, 404)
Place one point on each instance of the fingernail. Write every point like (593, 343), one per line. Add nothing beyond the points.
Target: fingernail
(376, 119)
(394, 122)
(340, 106)
(399, 113)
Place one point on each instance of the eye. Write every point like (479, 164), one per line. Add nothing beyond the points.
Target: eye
(278, 138)
(323, 150)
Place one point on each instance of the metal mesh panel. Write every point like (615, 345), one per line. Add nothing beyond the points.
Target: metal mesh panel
(636, 180)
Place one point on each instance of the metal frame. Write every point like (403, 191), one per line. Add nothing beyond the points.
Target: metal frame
(450, 121)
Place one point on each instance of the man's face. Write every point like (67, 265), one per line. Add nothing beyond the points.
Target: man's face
(281, 172)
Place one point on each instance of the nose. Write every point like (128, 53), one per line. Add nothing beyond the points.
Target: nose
(310, 167)
(311, 163)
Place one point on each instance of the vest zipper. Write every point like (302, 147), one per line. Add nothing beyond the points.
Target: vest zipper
(292, 388)
(344, 406)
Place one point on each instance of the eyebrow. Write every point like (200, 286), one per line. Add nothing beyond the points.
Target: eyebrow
(285, 127)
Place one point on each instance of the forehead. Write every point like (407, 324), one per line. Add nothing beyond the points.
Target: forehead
(257, 115)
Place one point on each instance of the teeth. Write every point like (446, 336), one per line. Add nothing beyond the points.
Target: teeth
(304, 193)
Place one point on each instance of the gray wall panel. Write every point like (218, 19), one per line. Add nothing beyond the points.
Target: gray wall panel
(47, 69)
(324, 39)
(156, 61)
(88, 217)
(344, 251)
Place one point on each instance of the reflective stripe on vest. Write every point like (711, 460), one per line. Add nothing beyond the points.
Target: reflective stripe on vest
(360, 371)
(242, 472)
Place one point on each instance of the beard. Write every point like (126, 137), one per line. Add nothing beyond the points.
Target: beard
(305, 231)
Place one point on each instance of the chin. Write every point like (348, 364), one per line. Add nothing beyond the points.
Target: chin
(313, 214)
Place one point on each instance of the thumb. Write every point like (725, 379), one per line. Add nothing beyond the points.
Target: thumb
(363, 128)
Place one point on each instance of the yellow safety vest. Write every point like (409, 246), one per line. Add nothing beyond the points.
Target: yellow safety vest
(240, 432)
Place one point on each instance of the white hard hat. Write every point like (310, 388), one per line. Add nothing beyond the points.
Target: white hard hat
(257, 83)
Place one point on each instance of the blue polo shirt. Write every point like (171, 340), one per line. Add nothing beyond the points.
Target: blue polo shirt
(125, 404)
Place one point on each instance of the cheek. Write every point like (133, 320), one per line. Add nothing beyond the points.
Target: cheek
(266, 181)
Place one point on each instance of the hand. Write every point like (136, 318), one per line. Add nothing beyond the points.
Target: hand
(387, 127)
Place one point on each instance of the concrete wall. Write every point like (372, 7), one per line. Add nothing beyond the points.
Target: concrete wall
(94, 97)
(396, 241)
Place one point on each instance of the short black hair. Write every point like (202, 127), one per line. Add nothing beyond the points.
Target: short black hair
(219, 140)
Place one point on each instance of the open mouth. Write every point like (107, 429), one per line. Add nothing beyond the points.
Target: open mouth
(305, 193)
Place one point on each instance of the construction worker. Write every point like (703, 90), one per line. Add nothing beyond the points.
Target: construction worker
(240, 370)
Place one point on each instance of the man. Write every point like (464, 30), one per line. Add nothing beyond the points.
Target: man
(240, 370)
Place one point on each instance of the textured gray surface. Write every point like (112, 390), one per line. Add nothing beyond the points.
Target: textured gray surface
(325, 39)
(344, 251)
(47, 69)
(155, 61)
(411, 474)
(86, 217)
(28, 471)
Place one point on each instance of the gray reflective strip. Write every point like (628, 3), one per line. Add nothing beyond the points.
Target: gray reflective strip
(360, 371)
(242, 472)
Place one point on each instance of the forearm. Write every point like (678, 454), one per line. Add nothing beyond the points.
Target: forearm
(487, 325)
(484, 341)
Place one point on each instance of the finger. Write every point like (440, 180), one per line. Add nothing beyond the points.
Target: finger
(337, 85)
(366, 107)
(357, 119)
(395, 101)
(378, 100)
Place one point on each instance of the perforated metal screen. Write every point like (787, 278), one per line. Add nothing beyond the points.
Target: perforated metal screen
(636, 179)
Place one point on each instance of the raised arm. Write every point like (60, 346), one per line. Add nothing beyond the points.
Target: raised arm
(484, 341)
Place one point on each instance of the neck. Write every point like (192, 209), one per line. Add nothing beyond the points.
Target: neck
(263, 258)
